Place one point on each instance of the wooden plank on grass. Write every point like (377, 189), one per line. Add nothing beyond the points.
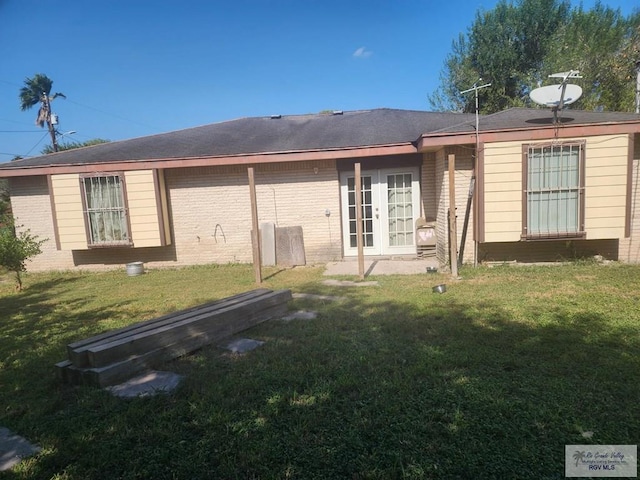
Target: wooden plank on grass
(118, 372)
(77, 351)
(220, 322)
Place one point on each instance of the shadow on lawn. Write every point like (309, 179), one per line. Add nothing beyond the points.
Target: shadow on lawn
(370, 389)
(36, 328)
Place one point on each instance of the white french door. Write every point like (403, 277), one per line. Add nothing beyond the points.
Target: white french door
(390, 207)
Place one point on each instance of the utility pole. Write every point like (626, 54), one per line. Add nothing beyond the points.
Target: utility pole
(52, 131)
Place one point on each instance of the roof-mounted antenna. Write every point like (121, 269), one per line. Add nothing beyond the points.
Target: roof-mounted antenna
(472, 185)
(475, 89)
(557, 96)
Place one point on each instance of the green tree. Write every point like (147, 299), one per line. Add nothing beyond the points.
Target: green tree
(5, 202)
(603, 45)
(37, 90)
(73, 145)
(516, 46)
(17, 245)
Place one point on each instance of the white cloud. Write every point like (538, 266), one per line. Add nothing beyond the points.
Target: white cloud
(362, 52)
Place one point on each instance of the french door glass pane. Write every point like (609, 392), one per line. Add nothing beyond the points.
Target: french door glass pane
(399, 209)
(367, 212)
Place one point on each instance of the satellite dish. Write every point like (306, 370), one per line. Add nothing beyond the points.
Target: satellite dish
(555, 95)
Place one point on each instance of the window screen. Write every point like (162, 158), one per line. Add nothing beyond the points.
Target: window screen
(554, 190)
(106, 213)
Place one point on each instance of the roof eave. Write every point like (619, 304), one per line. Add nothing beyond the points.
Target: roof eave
(434, 141)
(221, 160)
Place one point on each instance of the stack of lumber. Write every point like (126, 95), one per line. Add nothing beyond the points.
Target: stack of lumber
(116, 356)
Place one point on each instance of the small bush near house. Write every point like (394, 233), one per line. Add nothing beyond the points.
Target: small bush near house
(16, 247)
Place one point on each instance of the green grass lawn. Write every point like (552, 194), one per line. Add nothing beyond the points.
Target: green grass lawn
(489, 380)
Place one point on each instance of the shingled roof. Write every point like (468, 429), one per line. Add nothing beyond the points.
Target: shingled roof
(523, 118)
(309, 133)
(287, 133)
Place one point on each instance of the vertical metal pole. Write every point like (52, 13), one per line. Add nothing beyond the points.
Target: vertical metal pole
(475, 89)
(473, 196)
(255, 232)
(359, 229)
(453, 232)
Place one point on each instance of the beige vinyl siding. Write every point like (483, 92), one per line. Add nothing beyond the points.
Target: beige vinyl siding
(605, 188)
(67, 203)
(32, 207)
(143, 205)
(143, 208)
(503, 192)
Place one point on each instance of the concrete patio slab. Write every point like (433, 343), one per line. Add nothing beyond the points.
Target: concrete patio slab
(13, 448)
(381, 266)
(147, 384)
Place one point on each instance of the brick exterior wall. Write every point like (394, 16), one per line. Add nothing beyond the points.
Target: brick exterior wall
(464, 166)
(31, 206)
(210, 213)
(219, 230)
(428, 187)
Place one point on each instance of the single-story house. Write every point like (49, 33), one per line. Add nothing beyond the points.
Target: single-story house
(542, 190)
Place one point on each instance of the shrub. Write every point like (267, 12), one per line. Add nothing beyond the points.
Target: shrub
(16, 247)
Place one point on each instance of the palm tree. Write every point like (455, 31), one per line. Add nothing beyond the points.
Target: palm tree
(38, 90)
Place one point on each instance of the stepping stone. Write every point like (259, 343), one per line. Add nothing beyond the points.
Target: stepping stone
(13, 448)
(349, 283)
(301, 315)
(312, 296)
(243, 345)
(147, 384)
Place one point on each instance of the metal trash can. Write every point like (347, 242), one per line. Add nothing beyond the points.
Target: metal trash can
(135, 268)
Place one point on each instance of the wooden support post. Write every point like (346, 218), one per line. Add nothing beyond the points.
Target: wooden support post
(359, 231)
(255, 230)
(453, 231)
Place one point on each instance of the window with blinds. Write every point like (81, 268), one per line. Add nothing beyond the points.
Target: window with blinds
(554, 191)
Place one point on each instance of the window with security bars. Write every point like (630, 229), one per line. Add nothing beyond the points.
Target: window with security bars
(105, 210)
(554, 191)
(400, 209)
(367, 212)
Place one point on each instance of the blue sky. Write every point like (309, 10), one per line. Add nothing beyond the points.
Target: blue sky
(131, 68)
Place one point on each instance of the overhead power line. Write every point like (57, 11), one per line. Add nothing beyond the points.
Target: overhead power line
(20, 131)
(113, 115)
